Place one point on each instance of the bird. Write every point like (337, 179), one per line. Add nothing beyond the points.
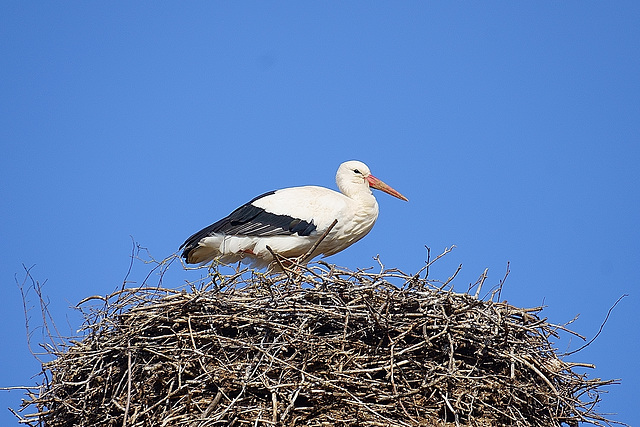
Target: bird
(290, 221)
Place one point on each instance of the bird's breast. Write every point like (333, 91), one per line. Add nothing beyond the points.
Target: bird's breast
(357, 221)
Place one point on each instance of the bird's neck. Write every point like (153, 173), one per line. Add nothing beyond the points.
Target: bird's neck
(362, 195)
(365, 200)
(355, 191)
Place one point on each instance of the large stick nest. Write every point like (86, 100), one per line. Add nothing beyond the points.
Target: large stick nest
(318, 347)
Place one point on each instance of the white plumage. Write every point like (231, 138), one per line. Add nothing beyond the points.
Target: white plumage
(291, 220)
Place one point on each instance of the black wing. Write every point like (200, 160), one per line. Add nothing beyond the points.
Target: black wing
(250, 220)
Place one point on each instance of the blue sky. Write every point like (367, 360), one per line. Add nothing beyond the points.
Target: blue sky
(512, 127)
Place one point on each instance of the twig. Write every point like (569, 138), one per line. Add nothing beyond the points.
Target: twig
(126, 409)
(450, 279)
(498, 291)
(604, 322)
(132, 259)
(430, 262)
(304, 258)
(480, 282)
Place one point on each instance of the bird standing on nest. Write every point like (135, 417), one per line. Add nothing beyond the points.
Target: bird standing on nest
(290, 221)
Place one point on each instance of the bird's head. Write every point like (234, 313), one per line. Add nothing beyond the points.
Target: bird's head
(354, 177)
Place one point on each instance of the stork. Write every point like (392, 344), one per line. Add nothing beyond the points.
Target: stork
(288, 222)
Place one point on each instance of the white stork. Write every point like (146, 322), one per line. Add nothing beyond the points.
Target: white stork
(290, 221)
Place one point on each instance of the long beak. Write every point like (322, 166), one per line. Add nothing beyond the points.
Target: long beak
(379, 185)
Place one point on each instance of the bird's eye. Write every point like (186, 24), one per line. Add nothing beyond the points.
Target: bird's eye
(357, 171)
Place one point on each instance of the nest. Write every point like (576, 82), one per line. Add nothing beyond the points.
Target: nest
(321, 346)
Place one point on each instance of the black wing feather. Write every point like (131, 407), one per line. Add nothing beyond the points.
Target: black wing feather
(250, 220)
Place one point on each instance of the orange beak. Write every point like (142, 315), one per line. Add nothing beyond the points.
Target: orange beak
(379, 185)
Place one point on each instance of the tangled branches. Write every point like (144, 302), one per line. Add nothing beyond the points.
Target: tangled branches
(320, 346)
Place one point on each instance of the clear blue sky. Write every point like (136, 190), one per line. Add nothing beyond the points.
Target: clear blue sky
(512, 127)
